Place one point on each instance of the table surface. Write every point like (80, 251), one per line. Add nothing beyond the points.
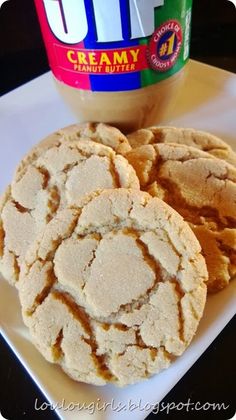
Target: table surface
(212, 377)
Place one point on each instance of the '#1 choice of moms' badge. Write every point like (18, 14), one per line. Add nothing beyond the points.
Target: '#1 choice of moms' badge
(165, 46)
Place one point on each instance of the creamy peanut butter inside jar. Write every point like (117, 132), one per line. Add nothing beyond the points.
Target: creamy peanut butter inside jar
(118, 61)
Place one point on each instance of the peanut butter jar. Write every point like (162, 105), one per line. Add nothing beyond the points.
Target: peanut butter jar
(119, 61)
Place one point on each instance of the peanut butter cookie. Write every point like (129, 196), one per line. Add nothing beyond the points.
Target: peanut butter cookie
(97, 132)
(188, 136)
(202, 189)
(113, 291)
(56, 174)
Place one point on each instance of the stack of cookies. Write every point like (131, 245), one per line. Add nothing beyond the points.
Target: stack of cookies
(113, 241)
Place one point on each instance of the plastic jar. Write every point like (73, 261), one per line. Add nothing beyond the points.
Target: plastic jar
(117, 61)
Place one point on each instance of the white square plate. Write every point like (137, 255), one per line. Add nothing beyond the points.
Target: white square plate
(31, 112)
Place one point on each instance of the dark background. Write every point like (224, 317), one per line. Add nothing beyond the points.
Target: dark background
(22, 58)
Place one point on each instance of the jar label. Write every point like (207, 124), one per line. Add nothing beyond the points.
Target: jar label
(115, 45)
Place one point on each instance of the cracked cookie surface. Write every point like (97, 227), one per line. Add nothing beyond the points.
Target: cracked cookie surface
(61, 171)
(97, 132)
(202, 189)
(115, 290)
(187, 136)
